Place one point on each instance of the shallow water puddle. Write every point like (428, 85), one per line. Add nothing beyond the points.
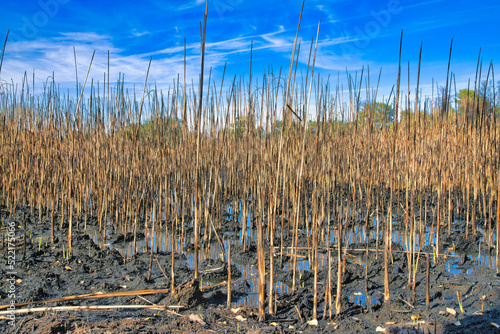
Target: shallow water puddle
(455, 262)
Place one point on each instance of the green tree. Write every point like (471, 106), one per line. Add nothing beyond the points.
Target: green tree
(240, 126)
(312, 126)
(153, 129)
(382, 115)
(277, 126)
(465, 99)
(469, 102)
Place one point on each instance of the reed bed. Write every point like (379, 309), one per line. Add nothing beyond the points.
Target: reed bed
(181, 159)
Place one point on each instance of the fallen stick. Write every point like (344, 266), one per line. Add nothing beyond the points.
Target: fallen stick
(159, 265)
(298, 312)
(293, 255)
(362, 250)
(212, 270)
(407, 303)
(93, 296)
(468, 283)
(147, 301)
(82, 308)
(20, 243)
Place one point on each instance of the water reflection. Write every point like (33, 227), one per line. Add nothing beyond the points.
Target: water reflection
(162, 241)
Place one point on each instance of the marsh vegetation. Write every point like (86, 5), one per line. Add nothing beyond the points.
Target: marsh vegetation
(369, 197)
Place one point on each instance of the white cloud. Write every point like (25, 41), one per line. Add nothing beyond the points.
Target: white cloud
(136, 33)
(47, 56)
(56, 55)
(82, 37)
(191, 4)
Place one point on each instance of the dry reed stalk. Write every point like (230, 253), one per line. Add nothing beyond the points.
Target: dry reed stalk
(84, 308)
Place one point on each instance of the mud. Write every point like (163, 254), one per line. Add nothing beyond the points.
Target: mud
(47, 273)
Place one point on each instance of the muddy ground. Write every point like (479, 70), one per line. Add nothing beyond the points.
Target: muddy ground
(46, 273)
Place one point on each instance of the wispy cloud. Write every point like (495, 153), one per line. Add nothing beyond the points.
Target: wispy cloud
(55, 55)
(191, 4)
(136, 33)
(350, 36)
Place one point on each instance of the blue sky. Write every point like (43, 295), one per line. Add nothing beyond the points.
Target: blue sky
(352, 35)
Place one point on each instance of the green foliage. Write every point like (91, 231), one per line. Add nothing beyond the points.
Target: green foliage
(382, 115)
(278, 125)
(153, 128)
(313, 126)
(239, 127)
(470, 101)
(474, 104)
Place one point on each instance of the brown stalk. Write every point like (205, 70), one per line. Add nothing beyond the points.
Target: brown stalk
(229, 274)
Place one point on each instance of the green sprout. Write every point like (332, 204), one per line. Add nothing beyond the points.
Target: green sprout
(460, 302)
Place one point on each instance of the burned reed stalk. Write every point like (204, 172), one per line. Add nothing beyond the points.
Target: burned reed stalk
(328, 290)
(3, 50)
(339, 265)
(261, 259)
(315, 222)
(413, 233)
(229, 274)
(388, 229)
(24, 236)
(271, 222)
(152, 237)
(282, 130)
(198, 134)
(427, 281)
(498, 226)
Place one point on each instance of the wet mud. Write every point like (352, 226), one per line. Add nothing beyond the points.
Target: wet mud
(463, 300)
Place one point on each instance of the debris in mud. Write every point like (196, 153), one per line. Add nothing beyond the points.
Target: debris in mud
(188, 294)
(98, 270)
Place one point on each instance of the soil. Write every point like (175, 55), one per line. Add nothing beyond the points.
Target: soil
(45, 272)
